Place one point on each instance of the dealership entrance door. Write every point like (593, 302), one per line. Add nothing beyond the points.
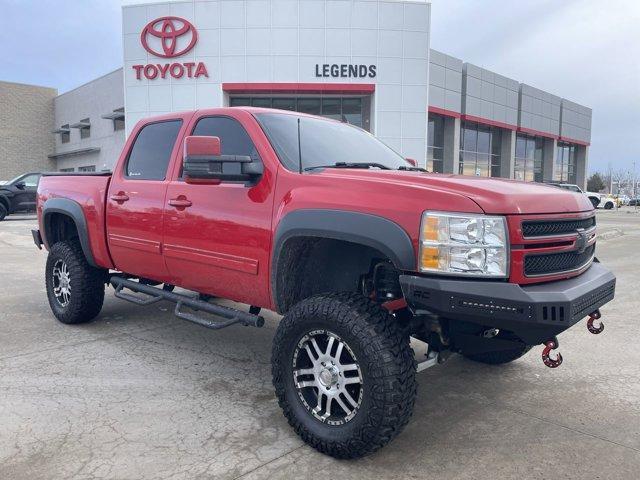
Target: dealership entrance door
(355, 110)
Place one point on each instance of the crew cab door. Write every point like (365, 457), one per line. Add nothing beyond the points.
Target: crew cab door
(217, 238)
(136, 199)
(24, 193)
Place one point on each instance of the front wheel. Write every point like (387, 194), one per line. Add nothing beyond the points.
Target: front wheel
(3, 211)
(75, 289)
(344, 374)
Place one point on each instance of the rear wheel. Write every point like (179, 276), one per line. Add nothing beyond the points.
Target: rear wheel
(3, 211)
(75, 289)
(608, 205)
(344, 374)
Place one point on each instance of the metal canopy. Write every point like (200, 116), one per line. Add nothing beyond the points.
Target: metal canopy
(72, 153)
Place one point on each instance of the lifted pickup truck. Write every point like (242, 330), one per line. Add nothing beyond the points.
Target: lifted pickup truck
(360, 250)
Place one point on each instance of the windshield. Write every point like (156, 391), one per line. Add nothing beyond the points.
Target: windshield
(325, 143)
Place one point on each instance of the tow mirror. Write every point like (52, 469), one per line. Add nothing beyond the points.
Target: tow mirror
(204, 163)
(413, 162)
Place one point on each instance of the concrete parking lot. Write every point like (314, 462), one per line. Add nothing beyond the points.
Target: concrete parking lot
(141, 394)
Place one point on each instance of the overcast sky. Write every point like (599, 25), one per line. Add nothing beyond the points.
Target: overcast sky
(585, 50)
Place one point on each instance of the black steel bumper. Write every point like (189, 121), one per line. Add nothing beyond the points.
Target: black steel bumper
(534, 312)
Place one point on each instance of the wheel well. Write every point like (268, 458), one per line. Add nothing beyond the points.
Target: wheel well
(59, 227)
(308, 266)
(5, 201)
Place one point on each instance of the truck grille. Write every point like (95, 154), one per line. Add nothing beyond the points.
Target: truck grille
(545, 228)
(557, 262)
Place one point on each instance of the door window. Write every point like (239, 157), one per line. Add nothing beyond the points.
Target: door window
(151, 151)
(234, 139)
(31, 180)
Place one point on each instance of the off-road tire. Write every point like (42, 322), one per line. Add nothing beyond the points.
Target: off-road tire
(87, 284)
(500, 357)
(387, 365)
(3, 211)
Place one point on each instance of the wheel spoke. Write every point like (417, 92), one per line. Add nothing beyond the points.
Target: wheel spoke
(350, 367)
(327, 412)
(306, 384)
(311, 357)
(349, 398)
(351, 380)
(316, 347)
(339, 351)
(329, 346)
(303, 371)
(344, 407)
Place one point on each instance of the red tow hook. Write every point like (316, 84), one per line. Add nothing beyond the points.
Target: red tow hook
(548, 361)
(595, 316)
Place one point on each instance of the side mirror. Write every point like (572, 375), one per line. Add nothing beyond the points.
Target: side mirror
(203, 163)
(413, 162)
(20, 185)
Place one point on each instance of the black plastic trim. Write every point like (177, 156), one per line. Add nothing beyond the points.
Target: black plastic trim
(361, 228)
(72, 209)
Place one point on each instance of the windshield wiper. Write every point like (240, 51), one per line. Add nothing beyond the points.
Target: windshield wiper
(350, 165)
(413, 169)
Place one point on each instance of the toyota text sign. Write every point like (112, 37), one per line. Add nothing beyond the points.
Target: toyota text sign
(169, 37)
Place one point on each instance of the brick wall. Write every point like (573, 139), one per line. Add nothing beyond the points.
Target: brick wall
(26, 121)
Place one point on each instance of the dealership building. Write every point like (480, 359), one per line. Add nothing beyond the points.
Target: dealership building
(366, 62)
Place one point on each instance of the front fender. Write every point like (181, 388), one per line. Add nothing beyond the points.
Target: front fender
(373, 231)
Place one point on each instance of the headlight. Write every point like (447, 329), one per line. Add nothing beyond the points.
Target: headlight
(459, 244)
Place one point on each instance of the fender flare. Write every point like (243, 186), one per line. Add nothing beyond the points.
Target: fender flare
(373, 231)
(73, 210)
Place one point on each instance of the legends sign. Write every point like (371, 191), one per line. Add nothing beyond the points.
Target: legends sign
(345, 71)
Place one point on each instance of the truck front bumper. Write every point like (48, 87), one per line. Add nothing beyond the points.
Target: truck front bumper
(533, 312)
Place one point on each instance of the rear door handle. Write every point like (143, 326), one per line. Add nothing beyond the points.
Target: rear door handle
(120, 197)
(180, 202)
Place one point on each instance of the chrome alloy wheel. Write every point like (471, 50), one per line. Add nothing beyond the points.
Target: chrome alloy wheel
(61, 283)
(327, 377)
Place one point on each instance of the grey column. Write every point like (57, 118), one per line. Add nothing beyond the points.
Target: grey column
(508, 153)
(549, 153)
(582, 166)
(451, 150)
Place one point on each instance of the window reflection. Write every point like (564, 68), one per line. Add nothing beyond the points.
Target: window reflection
(479, 150)
(529, 158)
(435, 143)
(564, 168)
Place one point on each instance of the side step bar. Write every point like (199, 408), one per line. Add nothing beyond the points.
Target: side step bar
(231, 316)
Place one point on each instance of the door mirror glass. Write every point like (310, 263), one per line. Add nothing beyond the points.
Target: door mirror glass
(203, 163)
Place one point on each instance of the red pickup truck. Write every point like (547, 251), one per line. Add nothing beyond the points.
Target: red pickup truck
(359, 249)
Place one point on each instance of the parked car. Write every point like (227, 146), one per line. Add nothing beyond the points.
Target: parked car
(358, 248)
(594, 198)
(19, 194)
(634, 202)
(608, 202)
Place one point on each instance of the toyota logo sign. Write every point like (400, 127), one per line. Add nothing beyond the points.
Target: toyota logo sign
(168, 37)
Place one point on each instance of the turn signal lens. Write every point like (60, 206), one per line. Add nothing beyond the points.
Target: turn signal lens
(459, 244)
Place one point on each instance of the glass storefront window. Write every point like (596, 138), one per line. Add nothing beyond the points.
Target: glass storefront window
(435, 144)
(529, 156)
(353, 110)
(564, 169)
(479, 150)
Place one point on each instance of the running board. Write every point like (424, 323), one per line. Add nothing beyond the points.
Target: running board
(231, 316)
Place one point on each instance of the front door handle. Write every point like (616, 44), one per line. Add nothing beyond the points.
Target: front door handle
(120, 197)
(180, 202)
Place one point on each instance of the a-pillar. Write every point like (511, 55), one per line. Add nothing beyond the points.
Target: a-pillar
(451, 150)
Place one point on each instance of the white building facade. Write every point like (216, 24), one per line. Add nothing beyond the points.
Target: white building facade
(366, 62)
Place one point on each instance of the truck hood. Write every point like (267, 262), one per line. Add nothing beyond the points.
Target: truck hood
(493, 195)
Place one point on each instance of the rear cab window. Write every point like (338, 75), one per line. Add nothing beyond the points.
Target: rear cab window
(151, 151)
